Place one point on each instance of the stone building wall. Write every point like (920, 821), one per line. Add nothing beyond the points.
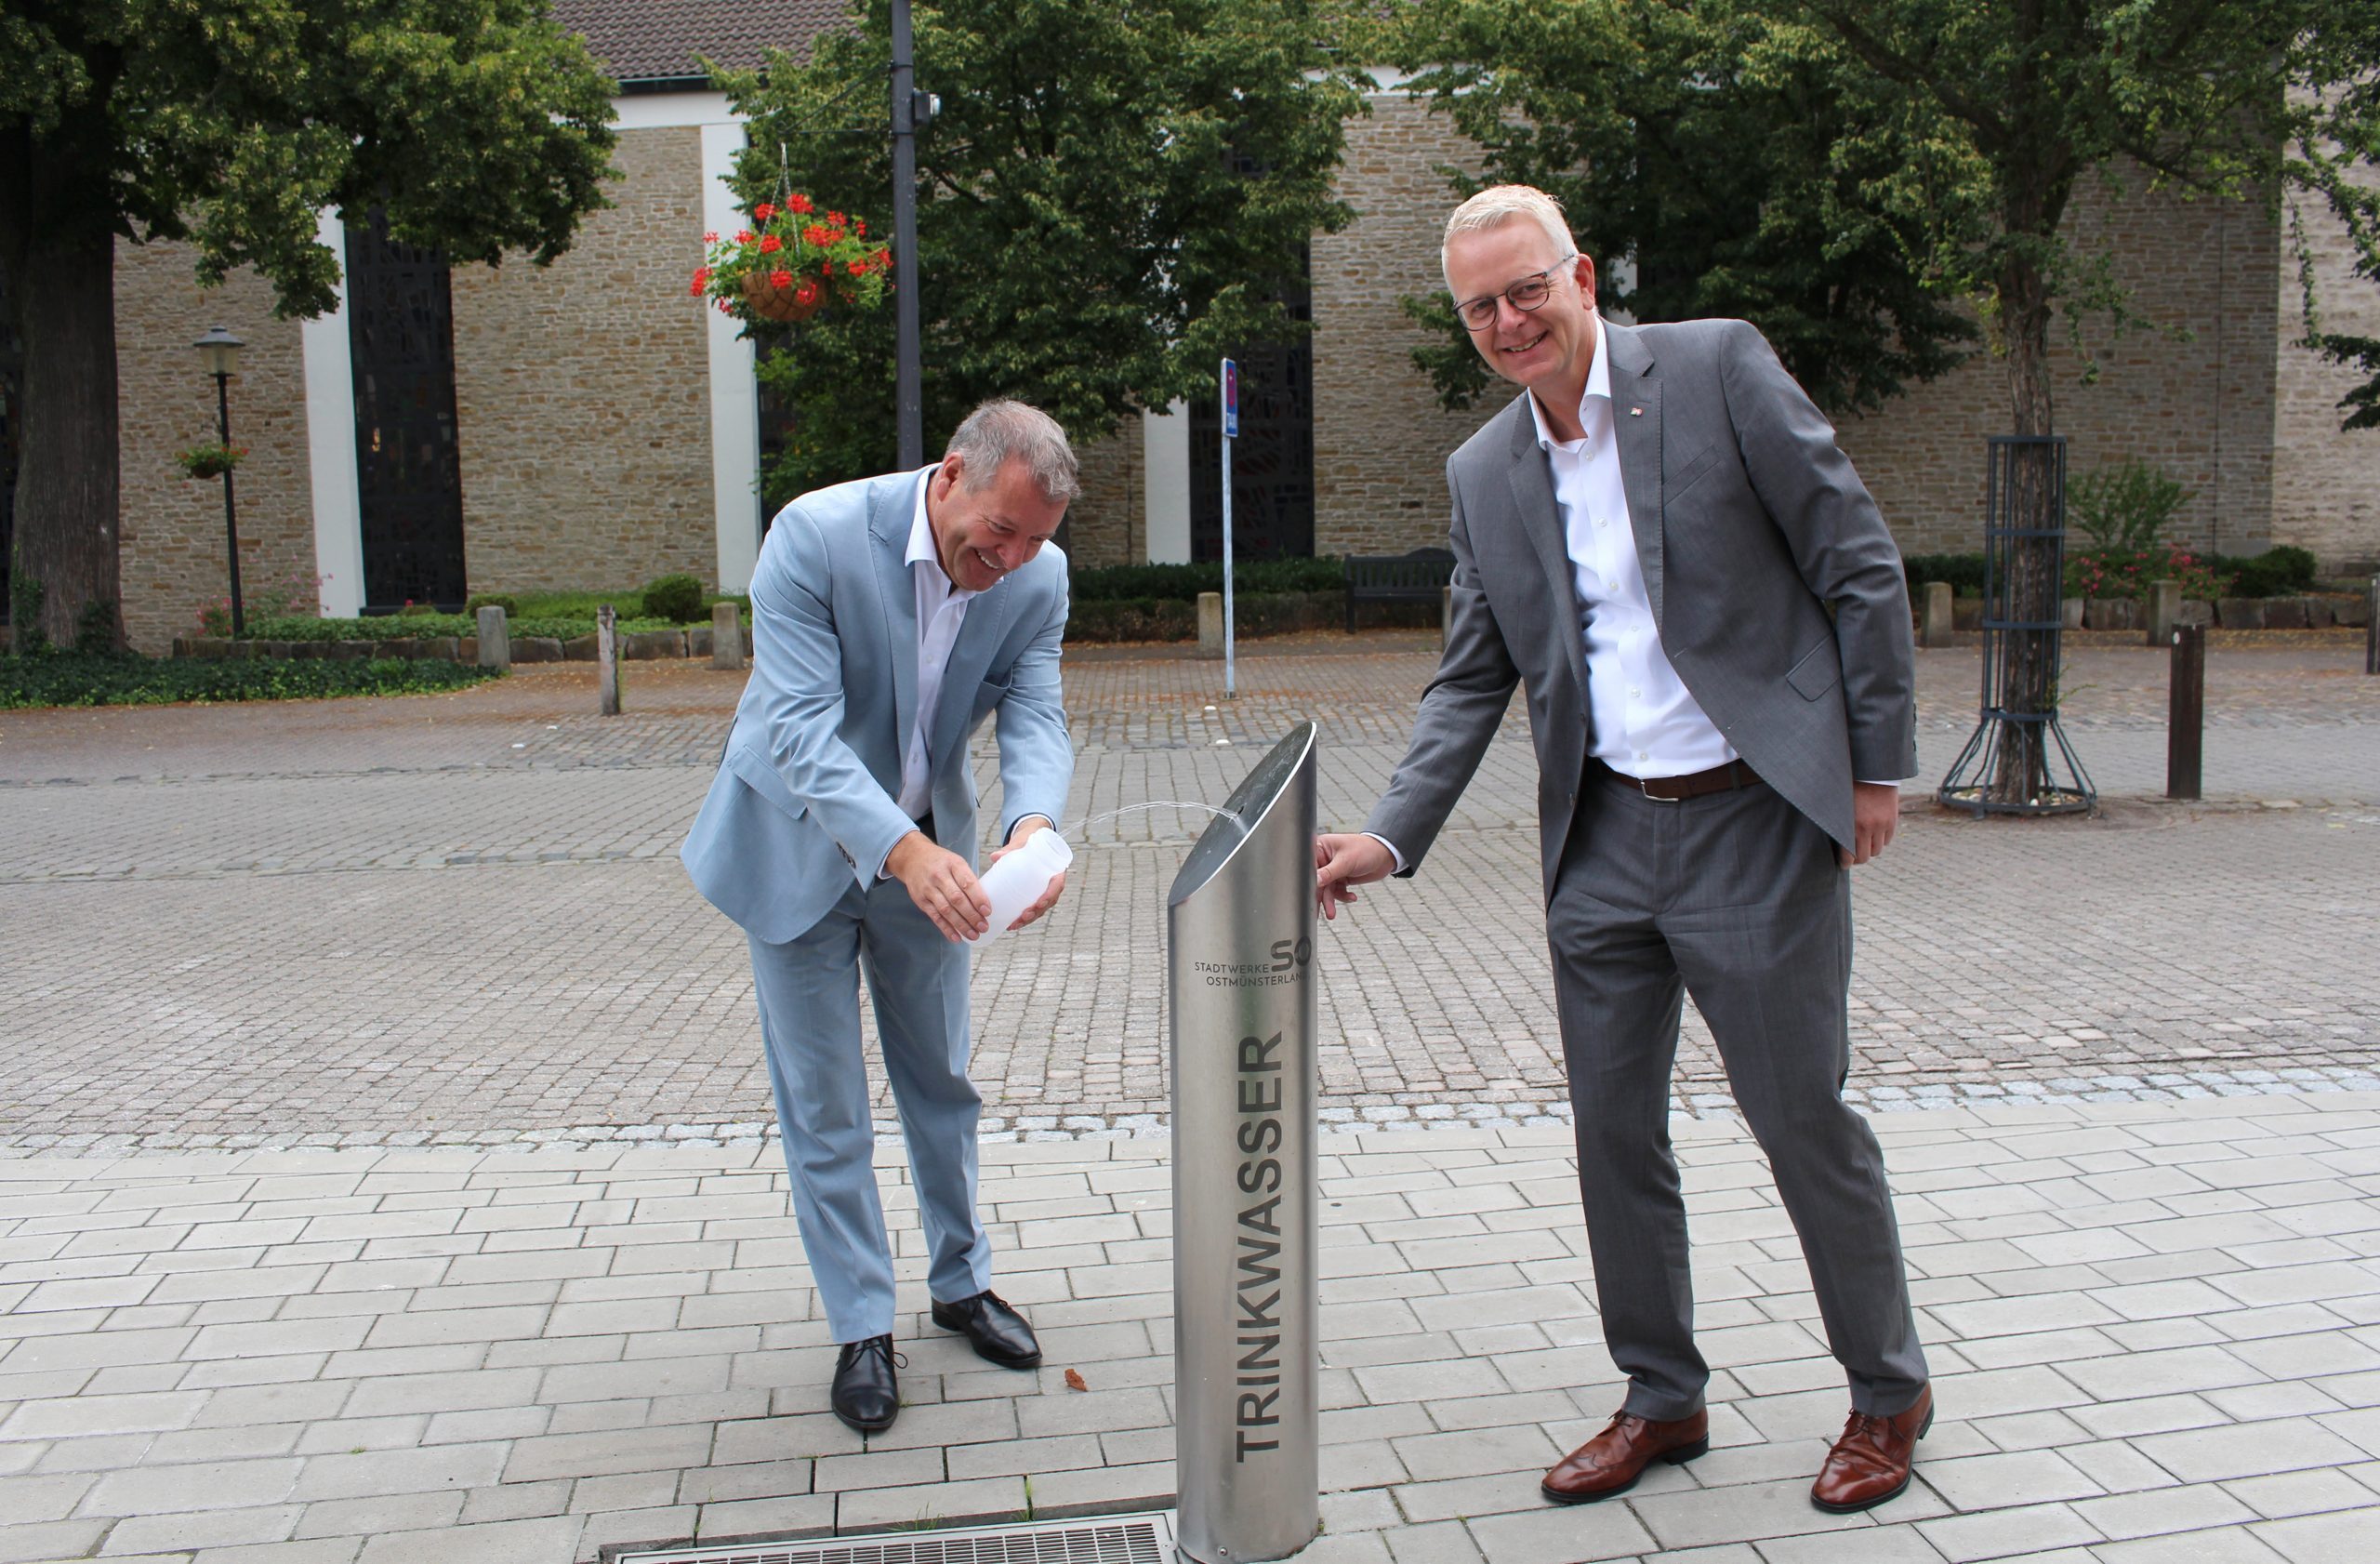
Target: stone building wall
(582, 393)
(172, 554)
(1381, 440)
(1108, 523)
(2326, 482)
(2188, 388)
(2191, 388)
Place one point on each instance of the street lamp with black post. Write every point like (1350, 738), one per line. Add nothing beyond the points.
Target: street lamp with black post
(219, 350)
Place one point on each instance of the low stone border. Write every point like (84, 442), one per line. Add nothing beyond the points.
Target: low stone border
(646, 645)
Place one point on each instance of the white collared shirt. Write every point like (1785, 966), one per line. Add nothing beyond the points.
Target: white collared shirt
(1643, 720)
(942, 608)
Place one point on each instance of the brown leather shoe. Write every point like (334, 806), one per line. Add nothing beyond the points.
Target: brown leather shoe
(1613, 1459)
(1871, 1462)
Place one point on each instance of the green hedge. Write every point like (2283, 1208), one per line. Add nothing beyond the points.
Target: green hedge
(75, 679)
(1182, 583)
(2279, 571)
(400, 627)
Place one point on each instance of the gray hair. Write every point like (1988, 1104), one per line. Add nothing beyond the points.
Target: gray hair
(1004, 430)
(1499, 204)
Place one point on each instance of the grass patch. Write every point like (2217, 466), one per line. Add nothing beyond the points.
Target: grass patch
(75, 679)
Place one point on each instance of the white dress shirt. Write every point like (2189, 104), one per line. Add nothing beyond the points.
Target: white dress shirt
(942, 608)
(1643, 721)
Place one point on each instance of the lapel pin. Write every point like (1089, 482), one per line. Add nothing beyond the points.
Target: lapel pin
(1635, 412)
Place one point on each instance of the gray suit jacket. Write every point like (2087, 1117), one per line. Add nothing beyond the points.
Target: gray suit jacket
(1748, 523)
(804, 802)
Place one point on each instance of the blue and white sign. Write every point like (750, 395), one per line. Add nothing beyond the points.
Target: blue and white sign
(1230, 400)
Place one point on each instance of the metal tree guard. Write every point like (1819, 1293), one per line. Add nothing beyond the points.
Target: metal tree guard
(2013, 763)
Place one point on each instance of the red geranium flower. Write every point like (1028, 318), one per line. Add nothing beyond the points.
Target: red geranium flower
(807, 293)
(836, 218)
(771, 244)
(800, 204)
(743, 235)
(764, 211)
(780, 278)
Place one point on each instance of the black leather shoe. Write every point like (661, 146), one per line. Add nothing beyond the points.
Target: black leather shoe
(867, 1393)
(999, 1332)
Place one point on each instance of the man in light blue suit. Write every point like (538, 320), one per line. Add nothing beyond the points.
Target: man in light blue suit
(890, 618)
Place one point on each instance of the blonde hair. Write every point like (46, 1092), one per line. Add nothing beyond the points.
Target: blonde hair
(1499, 204)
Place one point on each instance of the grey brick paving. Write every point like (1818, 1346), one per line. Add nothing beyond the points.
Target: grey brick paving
(458, 919)
(2087, 1417)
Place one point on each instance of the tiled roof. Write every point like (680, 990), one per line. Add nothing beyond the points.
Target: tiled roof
(647, 39)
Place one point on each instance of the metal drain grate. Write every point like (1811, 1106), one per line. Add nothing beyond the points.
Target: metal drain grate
(1133, 1539)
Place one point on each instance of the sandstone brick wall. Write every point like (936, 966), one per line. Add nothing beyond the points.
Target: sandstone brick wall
(1108, 524)
(2200, 408)
(2326, 483)
(582, 393)
(1381, 440)
(172, 554)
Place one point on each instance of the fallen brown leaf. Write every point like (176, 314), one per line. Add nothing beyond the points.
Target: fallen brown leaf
(1074, 1380)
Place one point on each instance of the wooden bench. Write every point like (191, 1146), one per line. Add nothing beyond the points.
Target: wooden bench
(1419, 577)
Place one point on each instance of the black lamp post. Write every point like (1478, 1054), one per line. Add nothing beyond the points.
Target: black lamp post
(219, 350)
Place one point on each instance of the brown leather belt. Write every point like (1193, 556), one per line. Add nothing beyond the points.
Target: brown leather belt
(1671, 789)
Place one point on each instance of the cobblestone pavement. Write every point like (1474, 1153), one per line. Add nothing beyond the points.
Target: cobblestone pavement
(459, 918)
(2153, 1332)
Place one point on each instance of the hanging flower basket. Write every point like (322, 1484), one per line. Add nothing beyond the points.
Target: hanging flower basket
(779, 297)
(792, 263)
(210, 460)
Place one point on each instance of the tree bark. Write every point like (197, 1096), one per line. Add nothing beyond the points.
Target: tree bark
(68, 483)
(2029, 505)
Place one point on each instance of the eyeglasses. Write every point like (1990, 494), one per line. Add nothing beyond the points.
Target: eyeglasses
(1529, 293)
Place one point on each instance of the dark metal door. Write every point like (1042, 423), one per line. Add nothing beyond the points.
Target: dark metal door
(1272, 462)
(408, 470)
(12, 417)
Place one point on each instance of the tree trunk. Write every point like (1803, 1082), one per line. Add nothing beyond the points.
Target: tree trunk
(67, 478)
(2031, 559)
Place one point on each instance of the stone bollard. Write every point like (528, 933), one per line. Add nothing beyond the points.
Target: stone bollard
(726, 637)
(1210, 624)
(495, 637)
(2070, 613)
(2165, 611)
(1939, 615)
(607, 661)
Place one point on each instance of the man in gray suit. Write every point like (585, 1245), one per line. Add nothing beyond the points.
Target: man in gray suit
(890, 618)
(1648, 541)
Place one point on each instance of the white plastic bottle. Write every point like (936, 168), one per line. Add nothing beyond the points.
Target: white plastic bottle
(1018, 881)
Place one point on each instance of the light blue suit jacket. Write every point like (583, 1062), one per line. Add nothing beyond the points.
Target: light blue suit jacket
(804, 802)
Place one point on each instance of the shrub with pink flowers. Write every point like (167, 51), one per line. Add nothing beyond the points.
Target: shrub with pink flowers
(2114, 573)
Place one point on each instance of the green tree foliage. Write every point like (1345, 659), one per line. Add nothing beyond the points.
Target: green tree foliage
(1713, 159)
(478, 124)
(2200, 99)
(1112, 198)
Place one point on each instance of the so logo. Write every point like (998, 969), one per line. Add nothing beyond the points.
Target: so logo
(1289, 955)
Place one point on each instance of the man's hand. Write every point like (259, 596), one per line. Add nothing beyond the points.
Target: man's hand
(942, 885)
(1023, 833)
(1342, 862)
(1875, 815)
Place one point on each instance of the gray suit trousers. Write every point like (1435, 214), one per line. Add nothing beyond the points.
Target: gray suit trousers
(1736, 898)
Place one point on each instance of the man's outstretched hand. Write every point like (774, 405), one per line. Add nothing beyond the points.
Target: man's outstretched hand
(1342, 862)
(942, 885)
